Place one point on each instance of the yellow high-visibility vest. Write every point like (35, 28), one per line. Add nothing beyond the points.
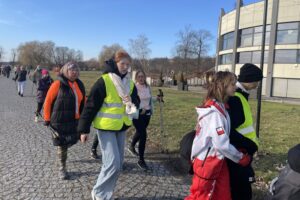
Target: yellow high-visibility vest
(246, 129)
(112, 115)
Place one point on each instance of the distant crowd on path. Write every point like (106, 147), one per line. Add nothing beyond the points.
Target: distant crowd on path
(5, 70)
(220, 150)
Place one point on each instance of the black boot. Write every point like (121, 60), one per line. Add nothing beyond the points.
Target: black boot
(132, 150)
(94, 154)
(142, 164)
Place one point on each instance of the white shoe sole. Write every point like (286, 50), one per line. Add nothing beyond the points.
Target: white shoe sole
(94, 196)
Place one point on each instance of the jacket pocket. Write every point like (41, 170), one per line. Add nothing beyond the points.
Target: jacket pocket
(209, 168)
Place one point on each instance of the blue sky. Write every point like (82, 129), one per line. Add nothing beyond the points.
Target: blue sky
(88, 25)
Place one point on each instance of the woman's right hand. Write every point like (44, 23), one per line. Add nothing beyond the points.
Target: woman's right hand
(83, 137)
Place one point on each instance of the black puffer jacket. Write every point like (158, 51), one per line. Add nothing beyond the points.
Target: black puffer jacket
(63, 110)
(96, 99)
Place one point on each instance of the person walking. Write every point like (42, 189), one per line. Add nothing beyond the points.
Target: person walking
(62, 108)
(7, 70)
(42, 88)
(20, 77)
(111, 105)
(141, 124)
(242, 133)
(211, 143)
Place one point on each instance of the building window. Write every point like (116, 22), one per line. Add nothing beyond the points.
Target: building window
(246, 37)
(228, 41)
(244, 57)
(253, 36)
(286, 56)
(256, 55)
(226, 59)
(257, 35)
(287, 33)
(251, 57)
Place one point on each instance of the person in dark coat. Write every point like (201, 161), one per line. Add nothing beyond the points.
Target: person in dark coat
(287, 185)
(7, 69)
(62, 108)
(242, 133)
(111, 105)
(42, 88)
(21, 80)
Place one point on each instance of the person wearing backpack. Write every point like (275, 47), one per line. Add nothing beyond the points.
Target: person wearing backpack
(242, 133)
(211, 143)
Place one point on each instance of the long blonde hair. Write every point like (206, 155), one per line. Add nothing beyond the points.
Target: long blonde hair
(216, 88)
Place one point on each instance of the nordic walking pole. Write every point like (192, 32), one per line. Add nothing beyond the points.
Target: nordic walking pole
(32, 88)
(162, 136)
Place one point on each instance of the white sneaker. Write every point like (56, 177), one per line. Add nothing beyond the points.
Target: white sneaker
(94, 197)
(36, 119)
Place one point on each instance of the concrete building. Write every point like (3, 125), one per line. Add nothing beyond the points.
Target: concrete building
(240, 38)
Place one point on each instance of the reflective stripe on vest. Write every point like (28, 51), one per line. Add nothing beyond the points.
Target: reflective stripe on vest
(108, 115)
(111, 115)
(246, 129)
(111, 105)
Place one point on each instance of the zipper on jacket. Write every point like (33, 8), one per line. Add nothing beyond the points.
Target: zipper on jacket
(205, 156)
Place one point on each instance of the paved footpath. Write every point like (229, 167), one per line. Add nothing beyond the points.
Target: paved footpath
(27, 169)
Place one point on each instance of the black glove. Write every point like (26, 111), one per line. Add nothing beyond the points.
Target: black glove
(46, 123)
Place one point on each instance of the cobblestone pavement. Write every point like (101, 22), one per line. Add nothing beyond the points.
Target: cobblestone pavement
(27, 161)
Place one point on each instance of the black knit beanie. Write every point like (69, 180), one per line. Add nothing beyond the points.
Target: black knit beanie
(294, 158)
(250, 73)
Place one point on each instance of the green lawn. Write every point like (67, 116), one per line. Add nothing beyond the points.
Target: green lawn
(279, 128)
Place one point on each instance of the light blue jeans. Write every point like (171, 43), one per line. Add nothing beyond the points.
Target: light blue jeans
(112, 144)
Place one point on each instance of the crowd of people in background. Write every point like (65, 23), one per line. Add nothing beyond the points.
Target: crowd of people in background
(224, 140)
(5, 70)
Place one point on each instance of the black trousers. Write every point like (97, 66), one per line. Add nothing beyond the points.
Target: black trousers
(239, 181)
(39, 108)
(95, 143)
(140, 135)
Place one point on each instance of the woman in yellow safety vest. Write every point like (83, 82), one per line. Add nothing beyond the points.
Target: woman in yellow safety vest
(112, 104)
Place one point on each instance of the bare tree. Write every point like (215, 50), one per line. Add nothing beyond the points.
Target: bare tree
(139, 48)
(60, 55)
(185, 47)
(107, 52)
(13, 56)
(191, 45)
(92, 64)
(202, 39)
(46, 53)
